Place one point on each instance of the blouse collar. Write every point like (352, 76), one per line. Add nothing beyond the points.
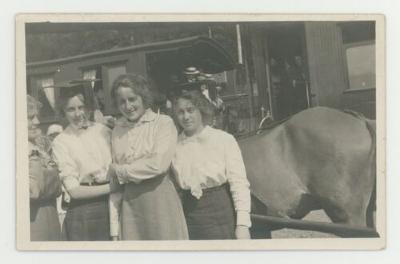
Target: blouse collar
(35, 150)
(148, 116)
(78, 131)
(199, 137)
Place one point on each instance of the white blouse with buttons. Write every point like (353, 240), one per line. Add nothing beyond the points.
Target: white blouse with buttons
(209, 159)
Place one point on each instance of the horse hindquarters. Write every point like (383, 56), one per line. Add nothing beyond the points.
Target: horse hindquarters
(333, 149)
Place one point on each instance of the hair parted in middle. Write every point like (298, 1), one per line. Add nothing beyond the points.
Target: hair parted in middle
(197, 98)
(137, 83)
(63, 100)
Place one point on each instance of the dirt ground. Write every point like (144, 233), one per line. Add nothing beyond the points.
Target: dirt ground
(292, 233)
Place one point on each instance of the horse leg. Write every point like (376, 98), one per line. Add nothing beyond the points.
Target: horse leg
(259, 230)
(305, 205)
(351, 214)
(371, 209)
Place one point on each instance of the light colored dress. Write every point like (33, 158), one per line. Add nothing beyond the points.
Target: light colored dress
(210, 159)
(150, 207)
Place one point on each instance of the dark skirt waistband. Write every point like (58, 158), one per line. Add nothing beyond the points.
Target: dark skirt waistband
(78, 202)
(224, 186)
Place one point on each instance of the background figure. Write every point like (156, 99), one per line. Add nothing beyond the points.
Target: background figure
(209, 170)
(143, 144)
(44, 183)
(52, 132)
(83, 154)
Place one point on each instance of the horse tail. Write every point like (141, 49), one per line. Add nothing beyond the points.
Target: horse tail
(371, 126)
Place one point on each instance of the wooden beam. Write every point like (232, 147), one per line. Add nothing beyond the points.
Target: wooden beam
(340, 230)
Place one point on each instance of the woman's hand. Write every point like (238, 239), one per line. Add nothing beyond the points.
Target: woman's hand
(242, 232)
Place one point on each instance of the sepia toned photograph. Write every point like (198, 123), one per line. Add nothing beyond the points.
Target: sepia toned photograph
(200, 132)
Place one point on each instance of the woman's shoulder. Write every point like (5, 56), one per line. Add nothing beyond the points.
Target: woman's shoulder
(219, 133)
(99, 127)
(62, 138)
(166, 119)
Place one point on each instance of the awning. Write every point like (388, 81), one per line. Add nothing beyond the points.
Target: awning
(201, 52)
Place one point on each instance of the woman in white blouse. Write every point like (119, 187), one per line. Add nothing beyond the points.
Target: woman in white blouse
(83, 154)
(143, 144)
(209, 169)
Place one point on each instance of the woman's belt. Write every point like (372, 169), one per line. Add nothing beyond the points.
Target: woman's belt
(211, 189)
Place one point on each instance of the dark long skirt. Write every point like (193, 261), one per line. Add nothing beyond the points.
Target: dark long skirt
(88, 220)
(212, 216)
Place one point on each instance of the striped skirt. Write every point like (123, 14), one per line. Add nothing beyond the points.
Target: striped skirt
(212, 216)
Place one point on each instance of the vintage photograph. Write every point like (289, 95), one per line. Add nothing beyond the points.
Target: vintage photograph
(200, 132)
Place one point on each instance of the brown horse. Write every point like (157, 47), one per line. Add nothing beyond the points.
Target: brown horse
(320, 158)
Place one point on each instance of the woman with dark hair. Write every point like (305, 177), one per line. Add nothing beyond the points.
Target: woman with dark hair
(209, 169)
(83, 154)
(143, 144)
(44, 183)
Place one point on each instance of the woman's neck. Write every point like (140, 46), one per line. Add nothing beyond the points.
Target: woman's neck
(195, 132)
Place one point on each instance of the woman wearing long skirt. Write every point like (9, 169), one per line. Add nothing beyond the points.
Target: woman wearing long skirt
(44, 182)
(143, 144)
(83, 154)
(210, 171)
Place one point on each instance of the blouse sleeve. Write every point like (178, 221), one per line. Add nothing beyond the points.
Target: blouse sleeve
(239, 185)
(69, 173)
(44, 183)
(158, 162)
(35, 171)
(114, 202)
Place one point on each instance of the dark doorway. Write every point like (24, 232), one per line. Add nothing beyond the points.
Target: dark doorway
(288, 72)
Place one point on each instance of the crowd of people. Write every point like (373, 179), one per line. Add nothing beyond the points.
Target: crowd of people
(149, 177)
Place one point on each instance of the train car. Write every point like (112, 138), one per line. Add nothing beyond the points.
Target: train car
(266, 69)
(162, 62)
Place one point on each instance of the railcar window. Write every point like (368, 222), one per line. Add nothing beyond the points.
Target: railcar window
(361, 66)
(45, 93)
(359, 53)
(112, 72)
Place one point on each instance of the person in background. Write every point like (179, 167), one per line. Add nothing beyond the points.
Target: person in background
(143, 144)
(52, 132)
(209, 170)
(83, 154)
(44, 182)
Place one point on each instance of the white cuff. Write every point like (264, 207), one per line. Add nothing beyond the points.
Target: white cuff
(243, 218)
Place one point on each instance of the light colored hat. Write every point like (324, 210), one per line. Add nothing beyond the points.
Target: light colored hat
(191, 71)
(54, 129)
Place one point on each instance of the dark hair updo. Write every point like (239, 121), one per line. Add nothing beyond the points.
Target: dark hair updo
(197, 98)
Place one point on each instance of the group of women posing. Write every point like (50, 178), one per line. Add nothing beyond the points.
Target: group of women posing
(143, 181)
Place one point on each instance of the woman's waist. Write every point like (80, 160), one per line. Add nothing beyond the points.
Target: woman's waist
(156, 180)
(204, 182)
(208, 188)
(79, 202)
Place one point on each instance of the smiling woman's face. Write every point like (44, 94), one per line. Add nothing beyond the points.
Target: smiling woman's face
(129, 103)
(189, 117)
(33, 125)
(75, 112)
